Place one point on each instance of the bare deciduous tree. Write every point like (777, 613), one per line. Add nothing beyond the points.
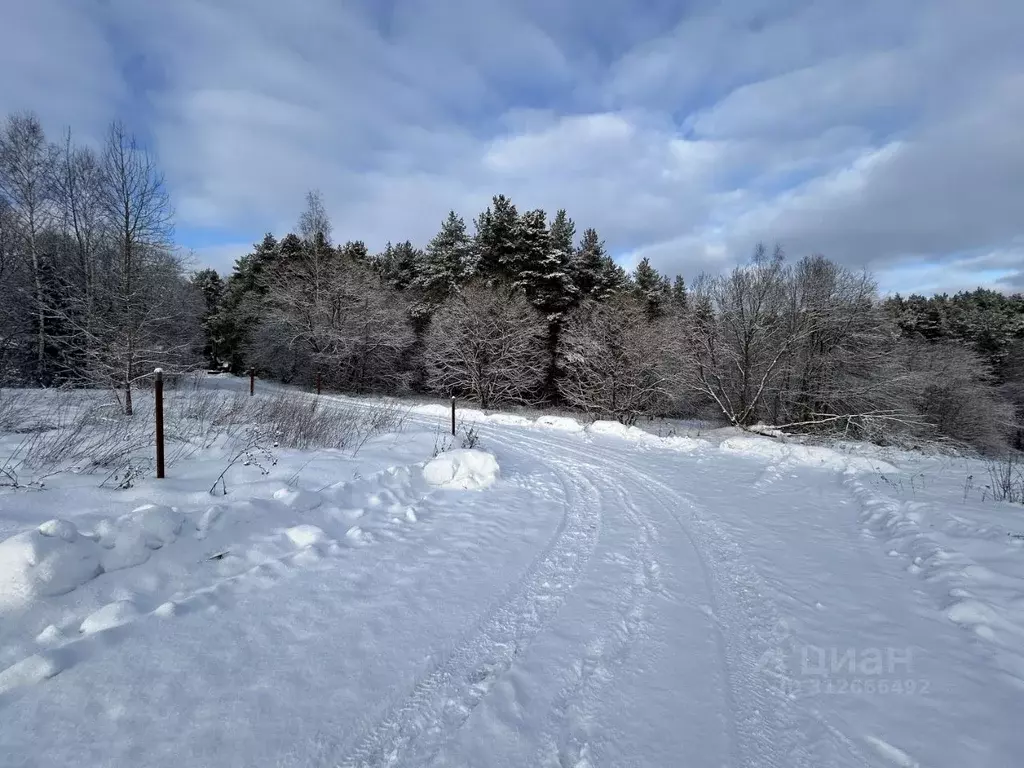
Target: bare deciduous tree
(616, 362)
(15, 311)
(78, 192)
(804, 347)
(329, 316)
(743, 339)
(26, 174)
(314, 223)
(953, 391)
(487, 345)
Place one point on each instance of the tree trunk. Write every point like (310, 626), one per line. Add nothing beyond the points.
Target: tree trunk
(128, 393)
(40, 302)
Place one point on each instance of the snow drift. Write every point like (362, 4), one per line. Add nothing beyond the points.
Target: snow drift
(463, 469)
(51, 560)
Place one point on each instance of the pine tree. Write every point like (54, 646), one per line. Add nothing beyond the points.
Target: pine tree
(400, 265)
(532, 268)
(614, 279)
(523, 264)
(594, 274)
(291, 247)
(542, 272)
(680, 299)
(449, 260)
(355, 251)
(245, 292)
(498, 239)
(651, 288)
(561, 292)
(211, 289)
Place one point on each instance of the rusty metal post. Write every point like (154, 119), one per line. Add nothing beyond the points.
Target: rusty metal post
(252, 381)
(453, 415)
(159, 390)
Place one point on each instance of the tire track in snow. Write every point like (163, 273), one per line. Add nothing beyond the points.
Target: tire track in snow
(771, 729)
(562, 743)
(417, 728)
(572, 750)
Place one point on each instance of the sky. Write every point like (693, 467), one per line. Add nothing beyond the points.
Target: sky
(884, 134)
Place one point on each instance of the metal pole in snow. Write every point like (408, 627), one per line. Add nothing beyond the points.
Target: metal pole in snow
(159, 390)
(453, 415)
(252, 381)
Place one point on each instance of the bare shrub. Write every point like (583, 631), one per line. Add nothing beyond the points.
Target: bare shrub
(307, 423)
(801, 347)
(254, 450)
(1006, 476)
(470, 437)
(88, 432)
(14, 411)
(330, 317)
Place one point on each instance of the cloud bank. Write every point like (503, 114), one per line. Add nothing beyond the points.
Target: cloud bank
(885, 135)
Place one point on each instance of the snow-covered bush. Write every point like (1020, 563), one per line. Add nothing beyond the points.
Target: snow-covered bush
(487, 345)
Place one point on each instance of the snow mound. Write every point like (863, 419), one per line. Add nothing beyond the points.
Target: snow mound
(126, 548)
(62, 529)
(160, 525)
(802, 455)
(615, 429)
(683, 444)
(306, 535)
(34, 669)
(463, 469)
(51, 560)
(208, 520)
(129, 540)
(563, 423)
(637, 435)
(299, 500)
(509, 420)
(109, 616)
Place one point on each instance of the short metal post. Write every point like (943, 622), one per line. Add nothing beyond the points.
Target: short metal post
(159, 390)
(453, 415)
(252, 381)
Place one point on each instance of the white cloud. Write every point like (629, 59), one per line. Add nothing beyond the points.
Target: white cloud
(880, 134)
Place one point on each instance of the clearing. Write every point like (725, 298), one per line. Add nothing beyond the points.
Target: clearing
(559, 595)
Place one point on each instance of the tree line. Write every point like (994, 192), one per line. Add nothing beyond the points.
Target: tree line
(92, 291)
(515, 307)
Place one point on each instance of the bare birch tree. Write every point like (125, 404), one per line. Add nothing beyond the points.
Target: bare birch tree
(488, 345)
(122, 343)
(27, 162)
(78, 193)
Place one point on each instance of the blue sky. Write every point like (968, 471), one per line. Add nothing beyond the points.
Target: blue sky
(886, 134)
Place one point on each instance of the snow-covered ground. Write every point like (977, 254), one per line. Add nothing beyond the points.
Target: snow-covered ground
(559, 595)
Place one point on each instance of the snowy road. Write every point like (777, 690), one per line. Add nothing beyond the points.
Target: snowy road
(607, 603)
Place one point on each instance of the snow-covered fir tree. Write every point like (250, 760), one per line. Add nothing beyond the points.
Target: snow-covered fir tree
(680, 296)
(652, 288)
(400, 265)
(498, 238)
(449, 260)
